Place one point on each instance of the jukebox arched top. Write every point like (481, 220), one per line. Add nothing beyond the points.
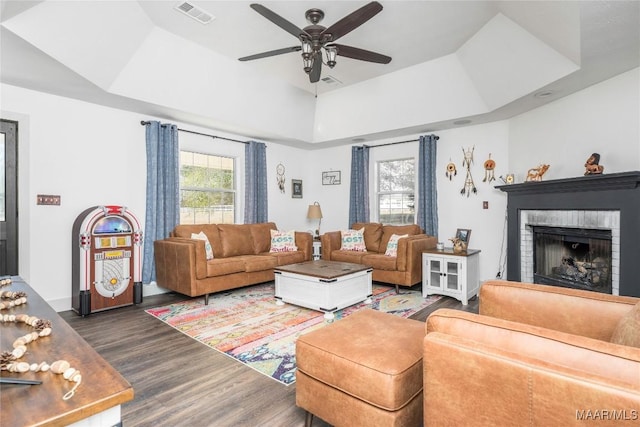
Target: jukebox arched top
(112, 225)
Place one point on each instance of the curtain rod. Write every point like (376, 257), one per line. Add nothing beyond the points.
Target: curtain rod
(394, 143)
(144, 123)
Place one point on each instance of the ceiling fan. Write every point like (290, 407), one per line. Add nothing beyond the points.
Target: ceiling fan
(315, 39)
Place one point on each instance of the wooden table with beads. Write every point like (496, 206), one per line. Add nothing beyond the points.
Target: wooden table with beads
(97, 399)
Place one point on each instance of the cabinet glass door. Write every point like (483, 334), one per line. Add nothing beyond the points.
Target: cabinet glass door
(435, 271)
(452, 275)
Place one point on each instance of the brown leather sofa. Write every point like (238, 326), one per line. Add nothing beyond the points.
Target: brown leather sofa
(403, 270)
(535, 355)
(241, 257)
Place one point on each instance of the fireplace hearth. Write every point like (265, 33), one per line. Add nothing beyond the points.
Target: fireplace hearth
(572, 257)
(608, 204)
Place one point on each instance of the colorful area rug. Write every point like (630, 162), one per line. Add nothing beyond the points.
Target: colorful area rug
(246, 323)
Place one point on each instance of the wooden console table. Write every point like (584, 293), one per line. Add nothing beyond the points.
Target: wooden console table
(102, 388)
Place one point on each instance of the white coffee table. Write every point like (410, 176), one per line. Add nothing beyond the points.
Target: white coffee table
(325, 286)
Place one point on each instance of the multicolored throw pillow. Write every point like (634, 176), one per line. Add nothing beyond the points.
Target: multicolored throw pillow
(392, 246)
(353, 240)
(283, 241)
(207, 246)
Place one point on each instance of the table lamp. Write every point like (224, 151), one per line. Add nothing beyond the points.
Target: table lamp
(315, 212)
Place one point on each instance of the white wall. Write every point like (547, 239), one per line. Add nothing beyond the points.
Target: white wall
(87, 154)
(604, 118)
(289, 213)
(93, 155)
(457, 210)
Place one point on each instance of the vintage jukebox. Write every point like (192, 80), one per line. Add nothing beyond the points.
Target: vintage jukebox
(107, 267)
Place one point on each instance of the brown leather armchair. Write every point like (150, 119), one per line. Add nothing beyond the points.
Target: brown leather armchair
(535, 355)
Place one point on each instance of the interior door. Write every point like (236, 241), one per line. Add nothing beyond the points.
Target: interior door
(8, 197)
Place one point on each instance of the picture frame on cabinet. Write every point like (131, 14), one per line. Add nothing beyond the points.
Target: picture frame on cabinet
(296, 188)
(464, 234)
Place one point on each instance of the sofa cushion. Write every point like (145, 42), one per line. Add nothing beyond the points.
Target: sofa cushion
(390, 230)
(236, 240)
(372, 234)
(392, 246)
(380, 261)
(354, 257)
(283, 241)
(258, 262)
(261, 235)
(286, 258)
(186, 230)
(223, 266)
(628, 330)
(207, 246)
(210, 230)
(352, 240)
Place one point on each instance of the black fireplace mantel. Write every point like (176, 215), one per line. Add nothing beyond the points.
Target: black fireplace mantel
(616, 191)
(614, 181)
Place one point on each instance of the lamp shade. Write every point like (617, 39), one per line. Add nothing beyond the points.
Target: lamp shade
(314, 211)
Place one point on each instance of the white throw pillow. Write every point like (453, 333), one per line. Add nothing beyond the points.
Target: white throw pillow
(353, 240)
(283, 241)
(207, 246)
(392, 246)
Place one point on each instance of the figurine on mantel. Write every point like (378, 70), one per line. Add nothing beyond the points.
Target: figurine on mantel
(535, 174)
(592, 165)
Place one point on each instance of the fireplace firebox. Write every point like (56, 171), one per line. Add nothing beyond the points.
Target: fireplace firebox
(572, 257)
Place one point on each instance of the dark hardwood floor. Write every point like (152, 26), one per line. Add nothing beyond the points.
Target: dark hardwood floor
(178, 381)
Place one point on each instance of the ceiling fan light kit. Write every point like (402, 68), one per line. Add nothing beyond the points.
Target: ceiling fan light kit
(314, 39)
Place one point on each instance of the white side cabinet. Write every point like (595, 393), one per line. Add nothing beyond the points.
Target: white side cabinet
(453, 274)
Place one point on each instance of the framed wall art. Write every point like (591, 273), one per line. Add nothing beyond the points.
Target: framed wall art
(331, 178)
(296, 188)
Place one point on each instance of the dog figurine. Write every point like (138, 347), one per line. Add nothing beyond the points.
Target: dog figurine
(458, 245)
(535, 174)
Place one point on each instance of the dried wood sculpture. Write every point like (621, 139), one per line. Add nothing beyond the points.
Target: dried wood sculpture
(467, 161)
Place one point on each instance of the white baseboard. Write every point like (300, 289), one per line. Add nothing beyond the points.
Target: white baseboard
(65, 304)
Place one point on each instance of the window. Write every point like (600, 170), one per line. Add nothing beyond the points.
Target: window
(207, 189)
(396, 191)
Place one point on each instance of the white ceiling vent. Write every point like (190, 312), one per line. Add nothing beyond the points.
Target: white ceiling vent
(330, 80)
(195, 12)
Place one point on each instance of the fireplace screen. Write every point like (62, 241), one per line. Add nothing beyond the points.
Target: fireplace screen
(573, 257)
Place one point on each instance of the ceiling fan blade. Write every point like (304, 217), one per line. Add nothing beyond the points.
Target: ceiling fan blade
(361, 54)
(278, 20)
(353, 20)
(271, 53)
(314, 75)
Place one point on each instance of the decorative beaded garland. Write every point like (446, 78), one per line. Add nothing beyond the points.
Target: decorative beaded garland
(9, 360)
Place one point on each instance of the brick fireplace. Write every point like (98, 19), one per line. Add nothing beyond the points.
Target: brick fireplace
(607, 204)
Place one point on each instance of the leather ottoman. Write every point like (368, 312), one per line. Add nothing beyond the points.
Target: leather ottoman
(364, 370)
